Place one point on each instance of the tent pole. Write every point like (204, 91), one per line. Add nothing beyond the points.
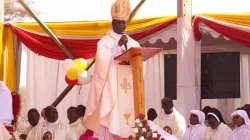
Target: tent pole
(48, 31)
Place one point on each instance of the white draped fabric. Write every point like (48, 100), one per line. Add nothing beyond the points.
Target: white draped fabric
(45, 80)
(154, 82)
(188, 69)
(42, 73)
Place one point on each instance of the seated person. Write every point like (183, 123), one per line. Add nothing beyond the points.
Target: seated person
(247, 109)
(75, 122)
(6, 115)
(81, 111)
(172, 118)
(52, 128)
(217, 129)
(4, 134)
(197, 126)
(151, 114)
(33, 118)
(206, 110)
(242, 130)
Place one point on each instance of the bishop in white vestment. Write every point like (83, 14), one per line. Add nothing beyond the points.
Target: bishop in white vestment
(172, 118)
(197, 127)
(58, 130)
(242, 130)
(110, 106)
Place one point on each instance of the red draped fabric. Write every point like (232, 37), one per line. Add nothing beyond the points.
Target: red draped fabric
(237, 35)
(80, 48)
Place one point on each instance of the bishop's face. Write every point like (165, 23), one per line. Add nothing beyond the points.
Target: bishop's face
(119, 26)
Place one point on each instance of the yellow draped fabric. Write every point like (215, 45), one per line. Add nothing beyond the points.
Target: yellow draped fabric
(238, 19)
(92, 28)
(1, 51)
(8, 63)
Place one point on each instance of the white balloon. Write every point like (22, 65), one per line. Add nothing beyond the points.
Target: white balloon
(68, 64)
(84, 78)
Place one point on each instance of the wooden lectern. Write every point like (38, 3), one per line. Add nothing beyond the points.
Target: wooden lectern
(136, 56)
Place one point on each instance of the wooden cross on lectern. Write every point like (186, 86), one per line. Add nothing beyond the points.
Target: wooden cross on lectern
(63, 47)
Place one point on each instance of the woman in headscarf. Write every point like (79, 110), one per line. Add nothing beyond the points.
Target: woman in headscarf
(6, 112)
(242, 130)
(197, 129)
(217, 129)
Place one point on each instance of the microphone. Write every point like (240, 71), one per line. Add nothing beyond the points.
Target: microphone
(126, 46)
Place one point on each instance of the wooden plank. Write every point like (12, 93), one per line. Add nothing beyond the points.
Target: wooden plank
(138, 85)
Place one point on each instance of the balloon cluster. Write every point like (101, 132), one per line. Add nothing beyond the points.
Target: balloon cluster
(76, 73)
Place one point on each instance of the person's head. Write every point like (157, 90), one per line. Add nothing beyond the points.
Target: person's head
(120, 13)
(43, 114)
(119, 26)
(206, 110)
(247, 109)
(240, 117)
(151, 114)
(167, 105)
(81, 110)
(51, 114)
(240, 108)
(33, 117)
(197, 117)
(72, 114)
(214, 118)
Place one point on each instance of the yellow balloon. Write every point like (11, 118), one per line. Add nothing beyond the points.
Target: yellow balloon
(72, 74)
(81, 64)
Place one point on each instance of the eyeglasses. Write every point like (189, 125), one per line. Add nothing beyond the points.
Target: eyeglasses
(72, 114)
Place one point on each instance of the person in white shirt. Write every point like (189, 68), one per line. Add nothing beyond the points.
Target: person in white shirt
(217, 129)
(6, 115)
(172, 118)
(52, 128)
(242, 130)
(33, 118)
(74, 121)
(197, 127)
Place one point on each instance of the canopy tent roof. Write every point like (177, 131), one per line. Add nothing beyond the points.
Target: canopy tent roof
(89, 10)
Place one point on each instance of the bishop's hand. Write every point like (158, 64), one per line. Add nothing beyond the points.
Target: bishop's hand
(123, 40)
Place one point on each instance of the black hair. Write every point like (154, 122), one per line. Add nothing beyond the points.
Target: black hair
(33, 110)
(72, 107)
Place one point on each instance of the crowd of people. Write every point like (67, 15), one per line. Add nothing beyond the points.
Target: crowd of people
(207, 124)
